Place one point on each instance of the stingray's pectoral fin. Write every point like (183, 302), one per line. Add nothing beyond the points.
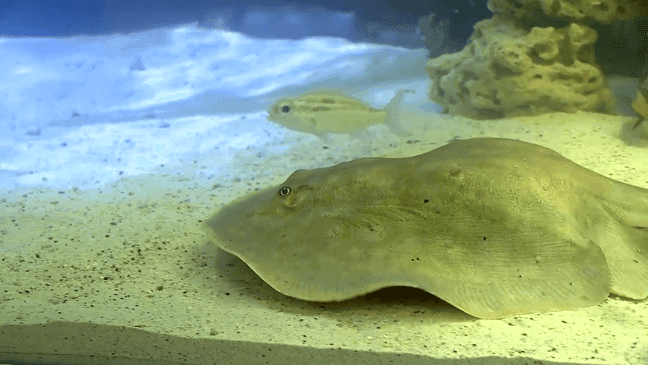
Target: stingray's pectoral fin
(622, 234)
(542, 276)
(626, 252)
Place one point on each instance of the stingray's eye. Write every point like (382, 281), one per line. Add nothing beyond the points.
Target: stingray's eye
(285, 191)
(285, 109)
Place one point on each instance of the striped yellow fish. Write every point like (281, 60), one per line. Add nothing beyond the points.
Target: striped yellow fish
(320, 114)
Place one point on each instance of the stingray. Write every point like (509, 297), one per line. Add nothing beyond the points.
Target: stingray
(495, 227)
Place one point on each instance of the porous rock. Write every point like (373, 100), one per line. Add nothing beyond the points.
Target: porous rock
(600, 11)
(506, 71)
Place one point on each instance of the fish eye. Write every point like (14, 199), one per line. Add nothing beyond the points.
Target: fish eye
(285, 109)
(285, 191)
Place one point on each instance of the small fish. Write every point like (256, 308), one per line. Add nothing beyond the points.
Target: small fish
(319, 114)
(495, 227)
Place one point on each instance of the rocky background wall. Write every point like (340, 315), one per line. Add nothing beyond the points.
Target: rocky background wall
(539, 56)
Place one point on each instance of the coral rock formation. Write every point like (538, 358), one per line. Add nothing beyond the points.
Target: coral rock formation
(507, 71)
(600, 11)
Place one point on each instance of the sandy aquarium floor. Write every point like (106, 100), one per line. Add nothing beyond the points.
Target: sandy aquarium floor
(126, 270)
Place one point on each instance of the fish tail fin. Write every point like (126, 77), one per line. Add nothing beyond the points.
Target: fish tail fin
(640, 105)
(394, 113)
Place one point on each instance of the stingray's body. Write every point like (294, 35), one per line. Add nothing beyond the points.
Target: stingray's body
(495, 227)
